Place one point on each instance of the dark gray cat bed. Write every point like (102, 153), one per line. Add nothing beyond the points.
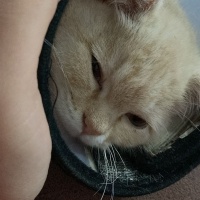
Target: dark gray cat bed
(144, 174)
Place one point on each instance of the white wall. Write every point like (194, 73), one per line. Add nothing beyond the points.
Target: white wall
(192, 8)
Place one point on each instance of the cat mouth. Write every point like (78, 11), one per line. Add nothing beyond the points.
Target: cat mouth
(95, 141)
(91, 136)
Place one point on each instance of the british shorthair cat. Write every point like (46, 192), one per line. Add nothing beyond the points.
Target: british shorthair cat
(127, 73)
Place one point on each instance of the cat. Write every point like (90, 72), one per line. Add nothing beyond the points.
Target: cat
(127, 73)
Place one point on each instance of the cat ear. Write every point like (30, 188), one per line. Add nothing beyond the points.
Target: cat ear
(131, 7)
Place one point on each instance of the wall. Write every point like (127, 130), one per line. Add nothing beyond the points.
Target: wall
(192, 8)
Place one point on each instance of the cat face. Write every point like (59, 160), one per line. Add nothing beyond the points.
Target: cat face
(122, 73)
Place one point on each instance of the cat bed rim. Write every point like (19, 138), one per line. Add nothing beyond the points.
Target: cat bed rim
(68, 160)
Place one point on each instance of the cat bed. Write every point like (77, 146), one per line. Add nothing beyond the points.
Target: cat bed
(136, 173)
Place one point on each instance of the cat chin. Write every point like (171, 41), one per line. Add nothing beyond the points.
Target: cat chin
(95, 141)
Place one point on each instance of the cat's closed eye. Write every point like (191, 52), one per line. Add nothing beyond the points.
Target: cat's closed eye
(96, 70)
(137, 121)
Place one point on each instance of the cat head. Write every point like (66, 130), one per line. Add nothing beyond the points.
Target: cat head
(123, 70)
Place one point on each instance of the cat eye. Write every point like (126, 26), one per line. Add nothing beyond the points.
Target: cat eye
(137, 121)
(96, 69)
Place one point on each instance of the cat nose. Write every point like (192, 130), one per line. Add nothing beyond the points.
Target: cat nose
(88, 128)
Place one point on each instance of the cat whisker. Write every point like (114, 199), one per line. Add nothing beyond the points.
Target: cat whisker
(114, 171)
(190, 103)
(125, 170)
(183, 116)
(114, 162)
(106, 178)
(153, 149)
(48, 43)
(98, 160)
(116, 176)
(98, 190)
(114, 148)
(99, 167)
(164, 127)
(56, 56)
(191, 122)
(111, 170)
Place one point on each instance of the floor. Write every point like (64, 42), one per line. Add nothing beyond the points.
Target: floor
(62, 186)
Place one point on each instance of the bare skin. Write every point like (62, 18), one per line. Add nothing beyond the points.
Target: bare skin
(25, 144)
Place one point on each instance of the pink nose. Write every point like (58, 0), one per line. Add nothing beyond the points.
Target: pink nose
(88, 128)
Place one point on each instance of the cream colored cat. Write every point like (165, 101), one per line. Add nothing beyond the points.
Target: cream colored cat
(127, 72)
